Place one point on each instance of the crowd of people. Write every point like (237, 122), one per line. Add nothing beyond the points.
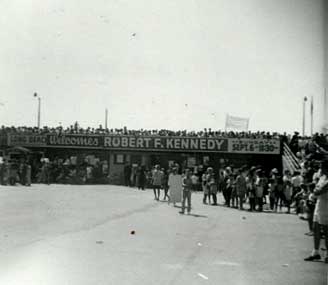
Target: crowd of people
(304, 193)
(100, 130)
(58, 170)
(237, 185)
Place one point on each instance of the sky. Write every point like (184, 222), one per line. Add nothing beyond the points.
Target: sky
(161, 64)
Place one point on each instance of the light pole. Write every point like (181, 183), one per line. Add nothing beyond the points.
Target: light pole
(106, 118)
(39, 108)
(304, 102)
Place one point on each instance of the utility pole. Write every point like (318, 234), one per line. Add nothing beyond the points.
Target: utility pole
(106, 118)
(311, 115)
(39, 108)
(303, 127)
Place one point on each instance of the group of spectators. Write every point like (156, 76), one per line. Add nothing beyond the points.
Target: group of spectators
(238, 185)
(312, 156)
(306, 192)
(63, 171)
(76, 129)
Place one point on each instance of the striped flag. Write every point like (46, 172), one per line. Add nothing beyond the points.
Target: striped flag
(236, 123)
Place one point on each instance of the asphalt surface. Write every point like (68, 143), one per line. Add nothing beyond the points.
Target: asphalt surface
(61, 234)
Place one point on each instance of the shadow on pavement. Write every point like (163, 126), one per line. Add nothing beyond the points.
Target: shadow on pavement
(198, 216)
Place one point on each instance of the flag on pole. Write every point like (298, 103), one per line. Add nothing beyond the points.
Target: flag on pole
(311, 105)
(236, 123)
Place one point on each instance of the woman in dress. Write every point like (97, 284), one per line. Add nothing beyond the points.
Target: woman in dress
(320, 217)
(175, 187)
(288, 189)
(141, 178)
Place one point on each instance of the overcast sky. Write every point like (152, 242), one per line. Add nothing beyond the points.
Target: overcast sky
(179, 64)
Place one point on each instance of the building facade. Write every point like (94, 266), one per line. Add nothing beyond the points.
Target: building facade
(118, 151)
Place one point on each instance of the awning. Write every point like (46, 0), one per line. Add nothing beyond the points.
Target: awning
(19, 149)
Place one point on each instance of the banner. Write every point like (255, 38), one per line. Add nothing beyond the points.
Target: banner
(149, 143)
(32, 140)
(236, 123)
(89, 141)
(256, 146)
(166, 143)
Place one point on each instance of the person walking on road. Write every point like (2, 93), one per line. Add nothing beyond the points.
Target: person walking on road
(320, 217)
(186, 192)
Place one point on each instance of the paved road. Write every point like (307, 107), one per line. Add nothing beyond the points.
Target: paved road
(80, 235)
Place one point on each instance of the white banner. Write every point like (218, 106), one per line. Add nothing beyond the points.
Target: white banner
(236, 123)
(256, 146)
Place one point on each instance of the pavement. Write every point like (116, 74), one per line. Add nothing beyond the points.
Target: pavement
(65, 234)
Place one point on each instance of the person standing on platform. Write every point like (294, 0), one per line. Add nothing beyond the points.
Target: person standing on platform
(175, 187)
(186, 192)
(157, 181)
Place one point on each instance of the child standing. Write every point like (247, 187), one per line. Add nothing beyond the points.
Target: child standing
(186, 192)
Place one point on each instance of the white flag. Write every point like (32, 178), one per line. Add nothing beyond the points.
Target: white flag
(236, 123)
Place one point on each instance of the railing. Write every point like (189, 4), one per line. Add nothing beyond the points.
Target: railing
(290, 161)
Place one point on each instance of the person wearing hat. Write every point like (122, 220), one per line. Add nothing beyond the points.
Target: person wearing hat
(241, 186)
(320, 217)
(273, 185)
(223, 185)
(259, 189)
(287, 189)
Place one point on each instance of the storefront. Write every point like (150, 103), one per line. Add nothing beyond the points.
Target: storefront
(115, 152)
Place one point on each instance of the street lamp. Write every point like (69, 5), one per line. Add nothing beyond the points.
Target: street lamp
(39, 108)
(304, 102)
